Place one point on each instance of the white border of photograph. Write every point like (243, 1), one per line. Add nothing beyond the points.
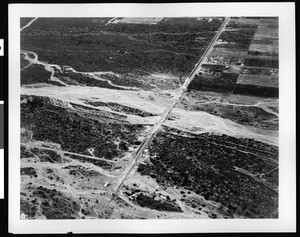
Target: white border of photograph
(2, 155)
(287, 146)
(1, 172)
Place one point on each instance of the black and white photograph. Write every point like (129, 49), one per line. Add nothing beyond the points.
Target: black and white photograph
(149, 116)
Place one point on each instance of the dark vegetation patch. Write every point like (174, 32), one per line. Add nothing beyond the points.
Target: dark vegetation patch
(25, 152)
(259, 91)
(97, 114)
(74, 132)
(129, 80)
(262, 62)
(274, 109)
(55, 205)
(213, 68)
(175, 131)
(227, 83)
(50, 156)
(241, 38)
(36, 74)
(158, 61)
(24, 62)
(205, 164)
(121, 108)
(164, 46)
(100, 163)
(42, 154)
(223, 83)
(160, 205)
(28, 171)
(256, 53)
(84, 80)
(46, 155)
(265, 40)
(28, 208)
(78, 170)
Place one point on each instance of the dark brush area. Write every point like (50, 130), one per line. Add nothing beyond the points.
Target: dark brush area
(28, 171)
(75, 132)
(206, 165)
(87, 44)
(121, 108)
(71, 78)
(242, 37)
(36, 74)
(259, 91)
(223, 83)
(55, 205)
(42, 154)
(226, 83)
(150, 202)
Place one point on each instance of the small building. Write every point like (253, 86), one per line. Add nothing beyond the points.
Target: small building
(106, 184)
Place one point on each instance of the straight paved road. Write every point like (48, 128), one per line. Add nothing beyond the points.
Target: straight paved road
(149, 138)
(28, 24)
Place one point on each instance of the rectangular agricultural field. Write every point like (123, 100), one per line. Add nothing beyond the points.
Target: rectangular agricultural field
(141, 20)
(262, 62)
(258, 80)
(265, 49)
(264, 32)
(226, 52)
(265, 45)
(248, 22)
(269, 23)
(260, 71)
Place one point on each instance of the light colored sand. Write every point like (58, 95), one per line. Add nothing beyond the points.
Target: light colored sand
(140, 20)
(193, 120)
